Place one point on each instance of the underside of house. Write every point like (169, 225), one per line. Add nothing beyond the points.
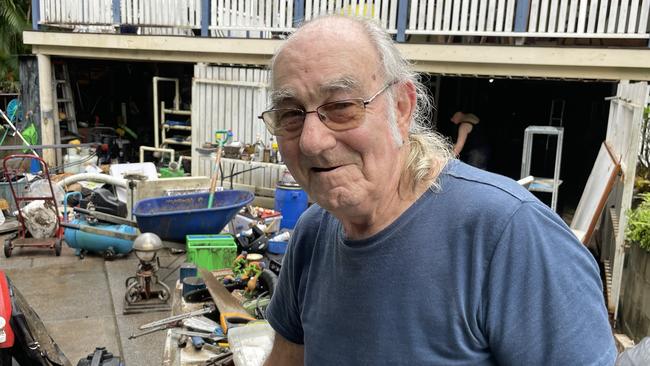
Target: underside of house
(559, 88)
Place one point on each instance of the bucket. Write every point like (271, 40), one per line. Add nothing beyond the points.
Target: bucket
(291, 201)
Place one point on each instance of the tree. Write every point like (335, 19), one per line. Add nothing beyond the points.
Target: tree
(13, 21)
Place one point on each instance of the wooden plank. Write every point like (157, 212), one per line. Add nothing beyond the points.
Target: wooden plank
(446, 20)
(413, 15)
(283, 13)
(634, 11)
(438, 17)
(599, 185)
(430, 11)
(482, 15)
(571, 20)
(602, 17)
(643, 17)
(491, 13)
(422, 12)
(501, 7)
(384, 14)
(562, 15)
(543, 16)
(510, 15)
(611, 19)
(455, 15)
(622, 17)
(582, 16)
(464, 14)
(592, 17)
(392, 17)
(473, 15)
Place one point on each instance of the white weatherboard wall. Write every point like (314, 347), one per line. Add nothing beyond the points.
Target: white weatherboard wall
(230, 98)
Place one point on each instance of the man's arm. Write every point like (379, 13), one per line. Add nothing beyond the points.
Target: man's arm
(285, 353)
(464, 128)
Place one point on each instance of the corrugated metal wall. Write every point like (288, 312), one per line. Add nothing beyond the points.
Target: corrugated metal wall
(230, 98)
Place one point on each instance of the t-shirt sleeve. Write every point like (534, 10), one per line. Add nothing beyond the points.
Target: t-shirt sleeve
(544, 302)
(283, 312)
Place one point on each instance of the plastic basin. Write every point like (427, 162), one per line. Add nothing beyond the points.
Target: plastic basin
(174, 217)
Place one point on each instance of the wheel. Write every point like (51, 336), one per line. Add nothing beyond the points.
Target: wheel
(129, 281)
(132, 294)
(109, 254)
(8, 248)
(57, 247)
(163, 294)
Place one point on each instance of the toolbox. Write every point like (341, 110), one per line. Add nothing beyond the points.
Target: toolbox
(211, 251)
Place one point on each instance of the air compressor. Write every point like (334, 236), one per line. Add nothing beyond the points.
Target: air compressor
(88, 233)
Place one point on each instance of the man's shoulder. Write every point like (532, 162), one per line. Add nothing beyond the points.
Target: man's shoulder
(474, 183)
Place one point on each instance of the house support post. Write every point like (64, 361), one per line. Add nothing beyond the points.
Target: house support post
(47, 107)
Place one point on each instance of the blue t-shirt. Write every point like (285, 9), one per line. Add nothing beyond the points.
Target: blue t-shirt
(478, 272)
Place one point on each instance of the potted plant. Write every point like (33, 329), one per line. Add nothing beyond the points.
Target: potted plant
(638, 226)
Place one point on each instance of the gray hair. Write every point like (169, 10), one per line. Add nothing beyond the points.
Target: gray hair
(429, 151)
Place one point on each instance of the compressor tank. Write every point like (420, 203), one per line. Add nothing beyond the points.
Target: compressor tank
(100, 244)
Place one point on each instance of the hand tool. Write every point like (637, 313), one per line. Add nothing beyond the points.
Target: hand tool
(179, 317)
(217, 161)
(231, 312)
(197, 342)
(205, 335)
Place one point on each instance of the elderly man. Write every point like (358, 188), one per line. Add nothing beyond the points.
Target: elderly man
(411, 257)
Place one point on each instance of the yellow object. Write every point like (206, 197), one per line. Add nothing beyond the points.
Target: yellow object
(4, 205)
(358, 11)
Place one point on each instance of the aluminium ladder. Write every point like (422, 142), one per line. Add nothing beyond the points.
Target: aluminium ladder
(64, 111)
(539, 184)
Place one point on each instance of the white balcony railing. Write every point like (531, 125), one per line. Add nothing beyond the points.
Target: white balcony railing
(260, 18)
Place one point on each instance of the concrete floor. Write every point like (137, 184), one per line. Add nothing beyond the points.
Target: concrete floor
(81, 301)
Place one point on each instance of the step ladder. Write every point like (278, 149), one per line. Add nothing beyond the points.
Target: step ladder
(65, 112)
(539, 184)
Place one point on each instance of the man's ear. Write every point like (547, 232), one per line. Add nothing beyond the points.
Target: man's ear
(405, 99)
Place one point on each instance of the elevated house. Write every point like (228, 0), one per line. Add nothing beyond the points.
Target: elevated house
(579, 66)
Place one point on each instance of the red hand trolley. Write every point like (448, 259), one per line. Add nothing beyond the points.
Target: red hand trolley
(12, 174)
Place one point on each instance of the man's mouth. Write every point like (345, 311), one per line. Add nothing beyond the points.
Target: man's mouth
(322, 170)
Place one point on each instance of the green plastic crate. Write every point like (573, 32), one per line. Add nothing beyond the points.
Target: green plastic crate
(211, 251)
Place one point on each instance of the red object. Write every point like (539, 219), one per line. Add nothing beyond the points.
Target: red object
(12, 175)
(5, 310)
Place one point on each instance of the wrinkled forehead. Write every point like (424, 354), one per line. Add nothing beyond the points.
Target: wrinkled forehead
(325, 58)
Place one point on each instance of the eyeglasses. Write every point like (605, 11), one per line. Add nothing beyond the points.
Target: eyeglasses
(338, 116)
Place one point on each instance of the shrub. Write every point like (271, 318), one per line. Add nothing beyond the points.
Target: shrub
(638, 225)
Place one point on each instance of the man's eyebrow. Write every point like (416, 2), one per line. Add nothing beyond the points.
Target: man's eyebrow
(345, 83)
(280, 95)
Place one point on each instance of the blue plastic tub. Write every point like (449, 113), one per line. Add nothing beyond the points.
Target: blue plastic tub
(174, 217)
(291, 202)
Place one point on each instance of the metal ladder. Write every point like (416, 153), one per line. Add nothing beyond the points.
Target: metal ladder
(64, 103)
(539, 184)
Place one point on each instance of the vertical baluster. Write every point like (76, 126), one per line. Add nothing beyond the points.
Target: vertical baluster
(561, 23)
(582, 16)
(464, 14)
(543, 16)
(455, 16)
(643, 16)
(490, 16)
(622, 17)
(611, 20)
(634, 11)
(510, 15)
(431, 4)
(573, 10)
(501, 9)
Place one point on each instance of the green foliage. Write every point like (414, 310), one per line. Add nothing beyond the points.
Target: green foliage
(638, 226)
(13, 20)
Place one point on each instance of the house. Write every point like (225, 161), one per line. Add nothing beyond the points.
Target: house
(582, 65)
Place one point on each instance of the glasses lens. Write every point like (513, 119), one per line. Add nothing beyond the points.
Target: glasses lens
(282, 122)
(342, 115)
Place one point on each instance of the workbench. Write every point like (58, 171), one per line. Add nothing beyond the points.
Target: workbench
(187, 356)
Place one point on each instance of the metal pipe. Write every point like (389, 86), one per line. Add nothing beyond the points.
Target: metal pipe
(18, 133)
(158, 149)
(156, 117)
(55, 146)
(94, 177)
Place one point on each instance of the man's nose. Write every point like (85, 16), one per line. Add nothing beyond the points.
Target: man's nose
(315, 137)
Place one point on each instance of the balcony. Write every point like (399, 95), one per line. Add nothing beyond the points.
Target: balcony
(586, 22)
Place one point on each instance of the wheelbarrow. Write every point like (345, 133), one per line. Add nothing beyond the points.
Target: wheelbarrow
(173, 218)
